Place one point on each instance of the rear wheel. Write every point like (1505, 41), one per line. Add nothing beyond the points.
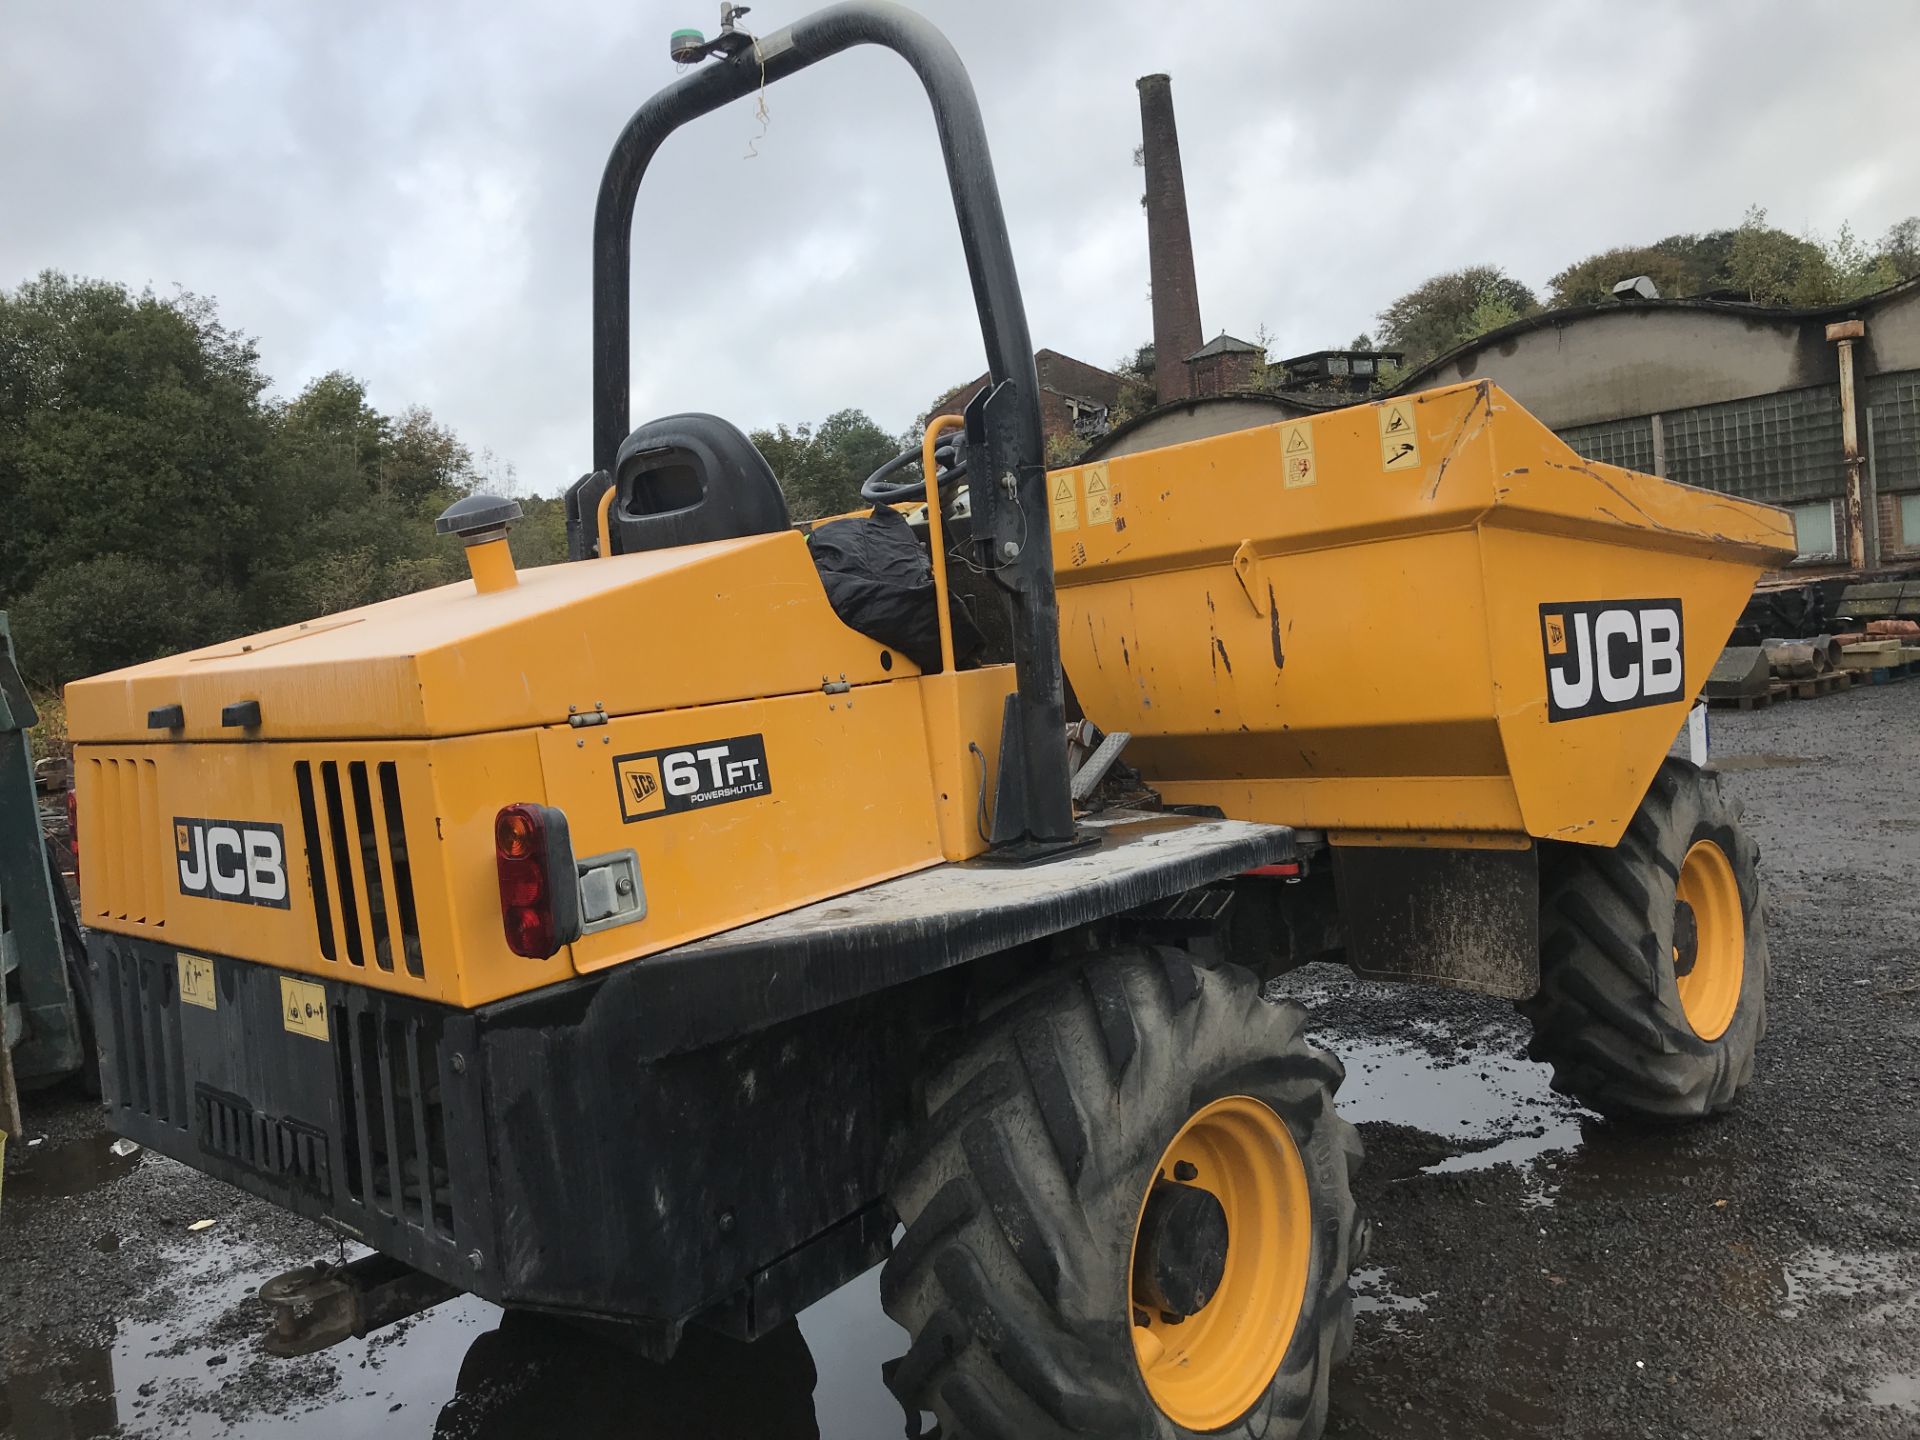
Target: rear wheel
(1653, 966)
(1128, 1214)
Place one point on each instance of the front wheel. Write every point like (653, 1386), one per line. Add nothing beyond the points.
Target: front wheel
(1653, 964)
(1128, 1214)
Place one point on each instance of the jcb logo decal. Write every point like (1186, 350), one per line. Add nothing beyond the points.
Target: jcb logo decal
(640, 792)
(244, 861)
(692, 777)
(1609, 655)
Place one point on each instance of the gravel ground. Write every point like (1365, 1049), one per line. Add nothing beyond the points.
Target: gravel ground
(1536, 1272)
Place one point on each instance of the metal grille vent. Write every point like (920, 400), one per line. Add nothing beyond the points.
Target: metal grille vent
(128, 846)
(394, 1121)
(144, 1006)
(357, 863)
(227, 1125)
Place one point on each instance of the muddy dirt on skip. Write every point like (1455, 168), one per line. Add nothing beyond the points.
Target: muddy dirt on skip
(1536, 1271)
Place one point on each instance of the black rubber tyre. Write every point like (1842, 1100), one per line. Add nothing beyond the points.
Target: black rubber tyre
(1021, 1196)
(1608, 1016)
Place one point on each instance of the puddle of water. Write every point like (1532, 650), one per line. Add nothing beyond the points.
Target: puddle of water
(531, 1377)
(851, 1336)
(463, 1372)
(56, 1397)
(59, 1172)
(1371, 1292)
(1821, 1273)
(1374, 1295)
(1476, 1097)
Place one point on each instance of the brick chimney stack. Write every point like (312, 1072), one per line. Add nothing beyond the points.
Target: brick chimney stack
(1176, 295)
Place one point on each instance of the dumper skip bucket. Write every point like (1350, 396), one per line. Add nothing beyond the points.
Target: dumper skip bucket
(1423, 620)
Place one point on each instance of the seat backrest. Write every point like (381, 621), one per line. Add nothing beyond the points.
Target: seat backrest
(688, 478)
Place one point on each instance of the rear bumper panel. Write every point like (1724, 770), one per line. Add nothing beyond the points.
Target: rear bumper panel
(706, 1128)
(549, 1166)
(375, 1129)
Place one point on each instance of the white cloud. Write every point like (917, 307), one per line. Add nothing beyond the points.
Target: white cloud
(406, 192)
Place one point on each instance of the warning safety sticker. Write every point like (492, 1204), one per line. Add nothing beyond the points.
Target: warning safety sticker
(1099, 496)
(1065, 499)
(1399, 441)
(1296, 455)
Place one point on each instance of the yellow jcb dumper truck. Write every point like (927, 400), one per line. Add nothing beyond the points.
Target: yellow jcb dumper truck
(645, 939)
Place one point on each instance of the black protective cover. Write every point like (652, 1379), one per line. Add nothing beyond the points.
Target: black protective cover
(880, 582)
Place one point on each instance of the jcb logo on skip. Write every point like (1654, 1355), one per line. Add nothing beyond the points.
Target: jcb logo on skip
(1611, 655)
(244, 861)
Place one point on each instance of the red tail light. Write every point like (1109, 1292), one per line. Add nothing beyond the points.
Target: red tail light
(1285, 869)
(539, 891)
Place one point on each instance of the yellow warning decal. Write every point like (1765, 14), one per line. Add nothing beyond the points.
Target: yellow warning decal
(1296, 455)
(1099, 497)
(196, 981)
(303, 1008)
(1065, 497)
(1399, 441)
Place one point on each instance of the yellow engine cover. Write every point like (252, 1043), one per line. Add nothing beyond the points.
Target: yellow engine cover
(703, 707)
(1427, 614)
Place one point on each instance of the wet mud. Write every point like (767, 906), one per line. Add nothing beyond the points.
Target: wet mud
(1535, 1272)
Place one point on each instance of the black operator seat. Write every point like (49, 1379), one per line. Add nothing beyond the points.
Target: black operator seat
(690, 478)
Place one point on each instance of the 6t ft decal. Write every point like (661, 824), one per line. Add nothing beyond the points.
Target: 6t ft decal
(691, 777)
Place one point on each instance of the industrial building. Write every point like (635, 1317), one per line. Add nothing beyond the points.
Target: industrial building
(1075, 398)
(1815, 410)
(1738, 398)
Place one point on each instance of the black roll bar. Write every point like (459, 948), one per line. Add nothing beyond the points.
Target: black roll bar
(1035, 811)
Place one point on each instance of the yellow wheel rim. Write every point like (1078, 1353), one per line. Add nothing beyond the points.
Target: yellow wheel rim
(1710, 990)
(1207, 1370)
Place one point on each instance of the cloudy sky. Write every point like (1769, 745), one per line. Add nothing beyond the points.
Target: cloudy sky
(406, 191)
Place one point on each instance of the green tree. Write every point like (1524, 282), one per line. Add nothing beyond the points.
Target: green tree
(1900, 247)
(1137, 394)
(1768, 265)
(1774, 268)
(1757, 262)
(351, 495)
(821, 467)
(1451, 309)
(1591, 281)
(541, 536)
(128, 425)
(155, 500)
(112, 610)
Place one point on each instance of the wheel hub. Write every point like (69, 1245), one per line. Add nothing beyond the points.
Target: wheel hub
(1181, 1255)
(1709, 940)
(1686, 939)
(1217, 1275)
